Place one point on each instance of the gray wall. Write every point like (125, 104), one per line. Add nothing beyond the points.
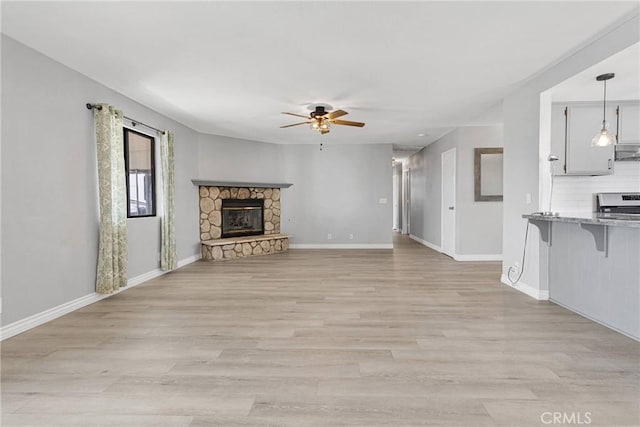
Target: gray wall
(224, 158)
(336, 191)
(478, 224)
(49, 195)
(521, 112)
(350, 177)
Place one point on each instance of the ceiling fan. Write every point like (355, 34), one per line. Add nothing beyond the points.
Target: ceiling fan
(321, 120)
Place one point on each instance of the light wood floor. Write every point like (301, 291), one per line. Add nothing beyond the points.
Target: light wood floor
(403, 337)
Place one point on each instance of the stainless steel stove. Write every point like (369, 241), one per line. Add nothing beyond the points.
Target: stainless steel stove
(624, 206)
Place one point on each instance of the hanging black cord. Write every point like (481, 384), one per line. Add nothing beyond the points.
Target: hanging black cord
(604, 105)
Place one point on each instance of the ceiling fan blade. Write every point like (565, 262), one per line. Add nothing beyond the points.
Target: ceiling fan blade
(347, 123)
(336, 114)
(295, 124)
(297, 115)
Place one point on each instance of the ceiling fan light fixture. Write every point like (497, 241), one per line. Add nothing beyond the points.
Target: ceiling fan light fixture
(321, 124)
(322, 120)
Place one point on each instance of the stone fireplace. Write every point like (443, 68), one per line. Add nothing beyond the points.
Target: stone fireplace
(238, 221)
(211, 199)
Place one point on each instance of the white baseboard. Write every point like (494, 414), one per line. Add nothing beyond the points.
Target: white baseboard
(474, 257)
(38, 319)
(426, 243)
(341, 246)
(525, 288)
(478, 257)
(189, 260)
(144, 277)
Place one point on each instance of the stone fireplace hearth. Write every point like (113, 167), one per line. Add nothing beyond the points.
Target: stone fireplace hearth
(237, 222)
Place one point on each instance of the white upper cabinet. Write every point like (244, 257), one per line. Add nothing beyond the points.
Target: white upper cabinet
(629, 123)
(583, 123)
(573, 126)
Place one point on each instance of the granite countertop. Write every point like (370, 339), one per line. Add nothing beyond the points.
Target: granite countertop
(618, 220)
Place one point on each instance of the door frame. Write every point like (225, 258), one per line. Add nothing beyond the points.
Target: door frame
(405, 202)
(442, 206)
(396, 200)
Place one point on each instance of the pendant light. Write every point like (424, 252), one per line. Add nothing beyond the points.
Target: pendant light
(604, 138)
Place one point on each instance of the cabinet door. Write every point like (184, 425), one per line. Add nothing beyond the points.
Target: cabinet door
(558, 137)
(583, 123)
(629, 124)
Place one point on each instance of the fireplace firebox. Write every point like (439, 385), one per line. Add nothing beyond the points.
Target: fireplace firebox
(242, 217)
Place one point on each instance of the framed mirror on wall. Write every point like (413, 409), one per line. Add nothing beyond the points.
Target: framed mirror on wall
(488, 174)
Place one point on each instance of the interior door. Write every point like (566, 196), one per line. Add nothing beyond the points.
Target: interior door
(408, 204)
(448, 206)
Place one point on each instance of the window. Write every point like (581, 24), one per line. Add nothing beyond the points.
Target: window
(139, 163)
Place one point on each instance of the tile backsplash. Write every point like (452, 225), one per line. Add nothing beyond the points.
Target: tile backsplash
(576, 194)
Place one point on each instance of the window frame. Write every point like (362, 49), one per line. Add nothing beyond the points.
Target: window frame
(126, 131)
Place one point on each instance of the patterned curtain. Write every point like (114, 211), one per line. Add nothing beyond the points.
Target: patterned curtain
(168, 255)
(112, 249)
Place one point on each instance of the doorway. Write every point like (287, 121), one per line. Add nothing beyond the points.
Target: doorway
(448, 203)
(397, 196)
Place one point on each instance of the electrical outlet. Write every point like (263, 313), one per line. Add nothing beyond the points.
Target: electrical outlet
(350, 236)
(329, 236)
(516, 267)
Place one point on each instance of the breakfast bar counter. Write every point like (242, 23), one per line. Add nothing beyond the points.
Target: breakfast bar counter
(620, 220)
(592, 266)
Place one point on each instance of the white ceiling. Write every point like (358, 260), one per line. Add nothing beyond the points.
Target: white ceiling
(584, 87)
(230, 68)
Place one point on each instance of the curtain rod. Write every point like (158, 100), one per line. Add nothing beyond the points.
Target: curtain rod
(133, 122)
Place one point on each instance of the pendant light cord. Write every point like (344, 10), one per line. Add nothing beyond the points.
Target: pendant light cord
(604, 105)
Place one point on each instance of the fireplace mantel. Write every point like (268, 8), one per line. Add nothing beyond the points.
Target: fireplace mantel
(213, 183)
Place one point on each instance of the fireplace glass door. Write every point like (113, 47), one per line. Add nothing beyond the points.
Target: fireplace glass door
(242, 217)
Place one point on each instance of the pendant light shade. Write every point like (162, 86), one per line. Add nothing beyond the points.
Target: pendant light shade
(604, 138)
